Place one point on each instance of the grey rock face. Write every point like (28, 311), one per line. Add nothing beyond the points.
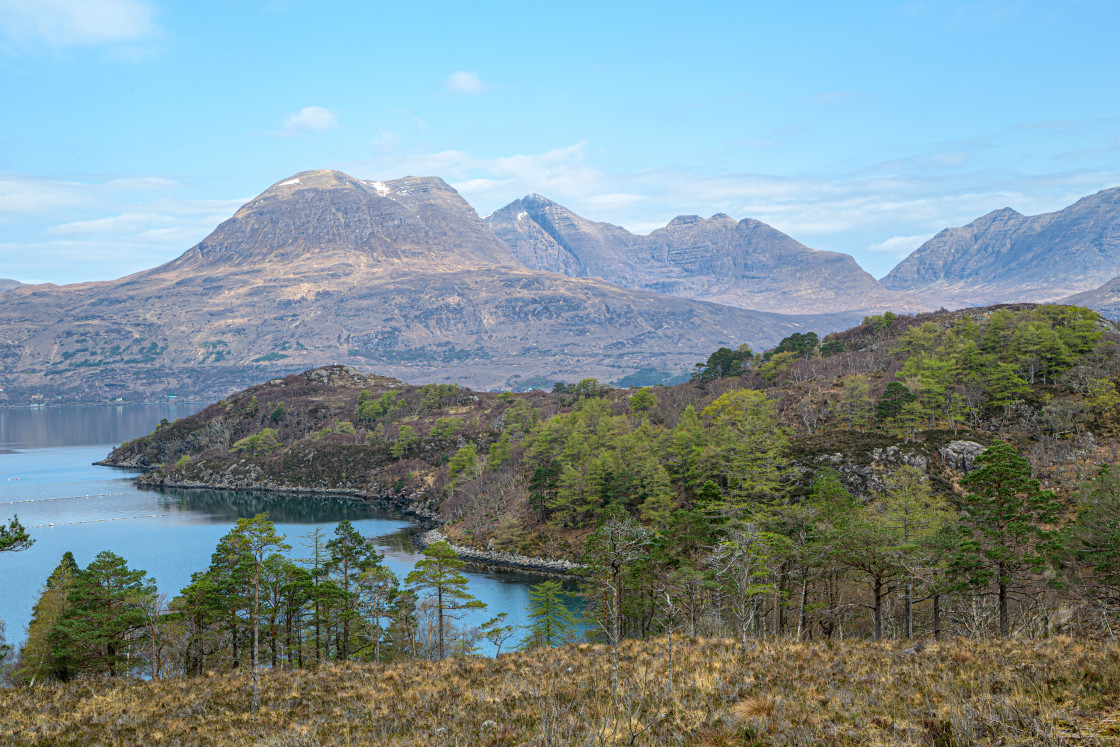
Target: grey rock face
(6, 284)
(864, 479)
(1007, 257)
(747, 264)
(961, 455)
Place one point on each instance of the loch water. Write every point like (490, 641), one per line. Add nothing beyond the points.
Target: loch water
(48, 479)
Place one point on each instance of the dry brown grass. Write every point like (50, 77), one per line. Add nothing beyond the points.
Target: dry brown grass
(772, 693)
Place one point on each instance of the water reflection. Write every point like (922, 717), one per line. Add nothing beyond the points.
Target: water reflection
(224, 506)
(37, 427)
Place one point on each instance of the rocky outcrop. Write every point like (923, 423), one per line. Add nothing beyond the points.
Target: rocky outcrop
(1005, 256)
(866, 478)
(961, 455)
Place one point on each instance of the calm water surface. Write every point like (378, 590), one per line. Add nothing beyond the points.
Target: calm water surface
(47, 478)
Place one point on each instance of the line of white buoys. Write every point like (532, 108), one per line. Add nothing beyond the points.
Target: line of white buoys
(63, 498)
(95, 521)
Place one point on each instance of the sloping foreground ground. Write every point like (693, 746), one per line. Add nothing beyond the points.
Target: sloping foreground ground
(952, 693)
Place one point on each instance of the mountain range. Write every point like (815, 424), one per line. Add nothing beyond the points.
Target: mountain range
(744, 263)
(402, 276)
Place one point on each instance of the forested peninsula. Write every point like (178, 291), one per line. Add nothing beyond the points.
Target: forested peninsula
(864, 481)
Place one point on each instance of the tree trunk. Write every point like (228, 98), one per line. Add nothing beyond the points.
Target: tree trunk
(878, 610)
(256, 643)
(155, 659)
(670, 661)
(802, 621)
(1002, 605)
(614, 636)
(782, 586)
(937, 617)
(439, 619)
(318, 633)
(233, 640)
(346, 612)
(910, 608)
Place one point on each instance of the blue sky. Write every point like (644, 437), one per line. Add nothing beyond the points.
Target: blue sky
(130, 128)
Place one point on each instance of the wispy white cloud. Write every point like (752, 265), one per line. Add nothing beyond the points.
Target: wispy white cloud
(23, 195)
(309, 119)
(76, 230)
(67, 23)
(899, 246)
(464, 82)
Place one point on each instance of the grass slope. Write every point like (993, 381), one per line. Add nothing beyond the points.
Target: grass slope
(773, 692)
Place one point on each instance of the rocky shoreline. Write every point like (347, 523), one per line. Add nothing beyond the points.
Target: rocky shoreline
(505, 560)
(407, 505)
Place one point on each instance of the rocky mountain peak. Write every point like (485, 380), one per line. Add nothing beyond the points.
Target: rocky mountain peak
(314, 179)
(1005, 256)
(326, 217)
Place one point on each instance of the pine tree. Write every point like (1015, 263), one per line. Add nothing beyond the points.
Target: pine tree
(552, 623)
(201, 608)
(35, 663)
(911, 509)
(499, 453)
(14, 537)
(438, 574)
(229, 572)
(256, 537)
(871, 548)
(642, 401)
(464, 465)
(105, 610)
(1093, 540)
(1006, 510)
(377, 586)
(749, 449)
(350, 555)
(497, 632)
(609, 554)
(406, 439)
(893, 400)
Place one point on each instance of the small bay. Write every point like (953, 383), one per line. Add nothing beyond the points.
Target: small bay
(48, 479)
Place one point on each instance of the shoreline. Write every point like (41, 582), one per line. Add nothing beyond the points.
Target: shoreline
(157, 403)
(428, 521)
